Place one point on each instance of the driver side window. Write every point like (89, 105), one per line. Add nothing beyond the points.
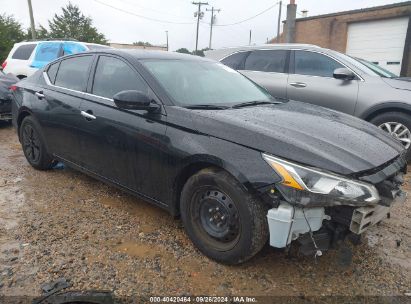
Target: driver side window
(315, 64)
(114, 75)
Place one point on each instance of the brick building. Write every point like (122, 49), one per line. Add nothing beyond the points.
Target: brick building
(380, 34)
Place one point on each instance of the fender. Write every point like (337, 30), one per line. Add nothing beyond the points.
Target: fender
(385, 107)
(251, 183)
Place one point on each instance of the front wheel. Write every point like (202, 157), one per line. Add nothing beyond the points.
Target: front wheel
(398, 125)
(221, 218)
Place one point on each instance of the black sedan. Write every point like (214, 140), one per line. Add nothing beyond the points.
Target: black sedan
(199, 139)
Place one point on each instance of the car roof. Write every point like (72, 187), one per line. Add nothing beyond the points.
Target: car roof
(218, 54)
(149, 54)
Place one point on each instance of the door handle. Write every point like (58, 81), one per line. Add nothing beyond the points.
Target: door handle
(39, 94)
(88, 116)
(298, 84)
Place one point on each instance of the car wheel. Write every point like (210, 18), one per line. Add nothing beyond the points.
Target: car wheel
(221, 218)
(398, 125)
(33, 145)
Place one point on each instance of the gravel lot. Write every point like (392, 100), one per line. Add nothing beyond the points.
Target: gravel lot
(63, 224)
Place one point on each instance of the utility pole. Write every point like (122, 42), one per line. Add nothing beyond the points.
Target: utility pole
(279, 22)
(249, 40)
(212, 10)
(167, 39)
(199, 15)
(33, 29)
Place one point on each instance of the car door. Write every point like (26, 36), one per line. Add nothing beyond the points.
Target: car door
(269, 69)
(66, 83)
(124, 146)
(311, 80)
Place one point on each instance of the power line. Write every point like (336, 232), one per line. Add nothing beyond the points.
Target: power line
(141, 16)
(245, 20)
(150, 9)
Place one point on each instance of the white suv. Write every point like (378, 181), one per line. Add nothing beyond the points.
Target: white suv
(27, 57)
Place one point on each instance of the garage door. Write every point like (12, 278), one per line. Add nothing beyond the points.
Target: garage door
(379, 41)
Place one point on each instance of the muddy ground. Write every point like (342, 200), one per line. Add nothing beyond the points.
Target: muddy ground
(64, 224)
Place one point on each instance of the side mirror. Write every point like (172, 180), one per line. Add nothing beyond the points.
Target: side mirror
(343, 74)
(135, 100)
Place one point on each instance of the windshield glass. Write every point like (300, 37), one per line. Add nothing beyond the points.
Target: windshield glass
(376, 68)
(192, 82)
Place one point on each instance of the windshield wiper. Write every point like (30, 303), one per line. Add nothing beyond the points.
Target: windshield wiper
(206, 107)
(254, 103)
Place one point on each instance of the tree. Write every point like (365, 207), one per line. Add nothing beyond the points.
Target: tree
(200, 52)
(11, 32)
(183, 50)
(73, 24)
(41, 33)
(141, 43)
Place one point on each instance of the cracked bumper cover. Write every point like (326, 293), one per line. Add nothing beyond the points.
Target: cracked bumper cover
(288, 222)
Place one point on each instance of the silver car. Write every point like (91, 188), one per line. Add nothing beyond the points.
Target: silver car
(330, 79)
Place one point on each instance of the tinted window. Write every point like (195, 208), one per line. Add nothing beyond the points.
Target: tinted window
(52, 71)
(235, 61)
(266, 61)
(73, 73)
(113, 76)
(23, 52)
(315, 64)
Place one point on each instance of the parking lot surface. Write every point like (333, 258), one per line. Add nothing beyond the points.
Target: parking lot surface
(64, 224)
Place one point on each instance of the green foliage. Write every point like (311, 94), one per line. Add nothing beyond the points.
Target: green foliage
(41, 33)
(73, 24)
(141, 43)
(200, 52)
(10, 32)
(183, 50)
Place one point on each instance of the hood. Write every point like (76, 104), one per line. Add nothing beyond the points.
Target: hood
(5, 82)
(300, 132)
(402, 83)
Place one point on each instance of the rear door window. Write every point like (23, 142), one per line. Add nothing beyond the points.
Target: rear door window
(267, 61)
(73, 73)
(114, 75)
(23, 52)
(236, 60)
(315, 64)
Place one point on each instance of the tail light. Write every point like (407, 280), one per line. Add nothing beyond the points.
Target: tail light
(13, 88)
(3, 66)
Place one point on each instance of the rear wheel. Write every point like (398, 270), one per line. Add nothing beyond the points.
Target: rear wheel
(221, 218)
(33, 145)
(398, 125)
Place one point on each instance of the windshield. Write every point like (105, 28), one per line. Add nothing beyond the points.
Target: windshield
(376, 68)
(193, 82)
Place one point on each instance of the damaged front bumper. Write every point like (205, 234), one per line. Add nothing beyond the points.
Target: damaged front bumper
(317, 227)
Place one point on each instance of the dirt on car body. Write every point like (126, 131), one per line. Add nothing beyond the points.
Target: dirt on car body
(63, 224)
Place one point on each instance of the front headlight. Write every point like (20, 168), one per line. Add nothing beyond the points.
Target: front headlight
(308, 186)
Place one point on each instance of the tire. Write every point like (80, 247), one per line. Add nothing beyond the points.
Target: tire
(395, 117)
(33, 144)
(213, 197)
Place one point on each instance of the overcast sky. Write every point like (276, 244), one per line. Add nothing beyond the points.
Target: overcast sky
(120, 22)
